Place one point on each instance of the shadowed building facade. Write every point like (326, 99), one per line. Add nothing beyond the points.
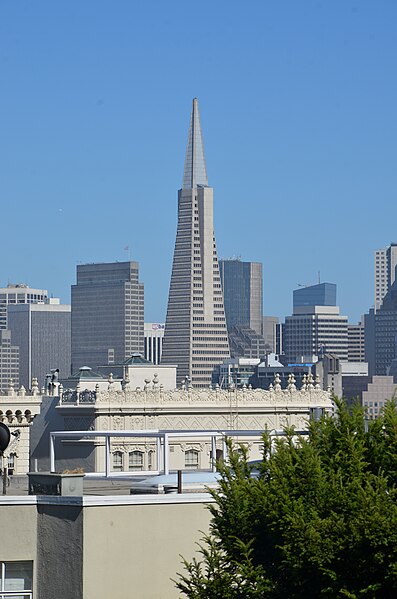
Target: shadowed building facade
(195, 336)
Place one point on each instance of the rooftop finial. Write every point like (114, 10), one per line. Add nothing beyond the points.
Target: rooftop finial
(195, 172)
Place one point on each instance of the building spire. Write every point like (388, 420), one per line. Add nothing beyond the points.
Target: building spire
(195, 172)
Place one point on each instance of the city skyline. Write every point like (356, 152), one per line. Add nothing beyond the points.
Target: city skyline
(300, 120)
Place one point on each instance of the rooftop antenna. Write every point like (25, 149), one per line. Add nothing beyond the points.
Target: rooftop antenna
(318, 274)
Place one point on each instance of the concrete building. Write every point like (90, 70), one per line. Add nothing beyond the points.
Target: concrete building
(98, 546)
(323, 294)
(107, 314)
(17, 411)
(269, 333)
(42, 333)
(19, 294)
(9, 361)
(315, 330)
(385, 263)
(356, 342)
(380, 390)
(243, 293)
(138, 373)
(355, 380)
(244, 342)
(235, 371)
(153, 341)
(195, 336)
(14, 294)
(154, 409)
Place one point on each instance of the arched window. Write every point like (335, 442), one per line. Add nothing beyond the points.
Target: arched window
(135, 460)
(117, 461)
(191, 458)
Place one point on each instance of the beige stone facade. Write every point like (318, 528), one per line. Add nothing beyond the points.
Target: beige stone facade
(17, 411)
(188, 409)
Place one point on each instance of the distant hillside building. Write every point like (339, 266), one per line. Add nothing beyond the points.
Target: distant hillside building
(107, 314)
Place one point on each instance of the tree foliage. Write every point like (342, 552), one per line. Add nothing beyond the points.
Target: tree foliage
(320, 520)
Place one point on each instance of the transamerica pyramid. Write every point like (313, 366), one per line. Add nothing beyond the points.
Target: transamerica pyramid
(195, 336)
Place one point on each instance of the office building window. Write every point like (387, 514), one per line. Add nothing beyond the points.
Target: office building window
(16, 580)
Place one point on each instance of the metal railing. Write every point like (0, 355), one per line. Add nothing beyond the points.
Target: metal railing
(162, 441)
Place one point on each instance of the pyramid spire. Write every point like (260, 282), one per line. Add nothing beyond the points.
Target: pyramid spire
(195, 172)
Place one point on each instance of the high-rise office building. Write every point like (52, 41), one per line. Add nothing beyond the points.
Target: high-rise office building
(323, 294)
(19, 294)
(9, 361)
(195, 336)
(385, 332)
(14, 294)
(385, 272)
(107, 314)
(315, 329)
(244, 342)
(242, 293)
(42, 333)
(270, 324)
(356, 342)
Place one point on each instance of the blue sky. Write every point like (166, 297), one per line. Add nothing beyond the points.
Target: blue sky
(298, 106)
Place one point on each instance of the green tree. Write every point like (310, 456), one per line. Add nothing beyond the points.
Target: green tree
(320, 519)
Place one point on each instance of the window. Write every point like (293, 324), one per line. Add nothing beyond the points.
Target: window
(150, 459)
(16, 580)
(135, 460)
(191, 458)
(11, 462)
(117, 461)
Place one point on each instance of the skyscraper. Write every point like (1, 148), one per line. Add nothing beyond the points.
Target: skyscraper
(9, 361)
(19, 294)
(315, 329)
(42, 333)
(243, 294)
(195, 336)
(107, 314)
(385, 331)
(385, 272)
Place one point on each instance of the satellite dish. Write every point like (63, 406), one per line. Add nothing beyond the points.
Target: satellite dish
(5, 436)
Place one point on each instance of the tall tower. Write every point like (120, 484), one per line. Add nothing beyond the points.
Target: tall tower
(195, 335)
(385, 272)
(242, 292)
(107, 314)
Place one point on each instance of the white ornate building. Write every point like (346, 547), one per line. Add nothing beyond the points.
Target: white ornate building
(17, 411)
(187, 409)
